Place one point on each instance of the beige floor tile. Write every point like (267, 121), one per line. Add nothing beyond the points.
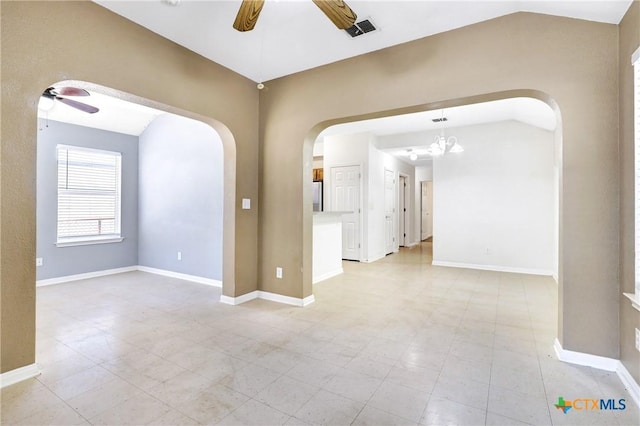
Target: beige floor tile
(474, 394)
(173, 418)
(212, 404)
(400, 400)
(356, 386)
(250, 380)
(370, 416)
(139, 409)
(22, 400)
(254, 412)
(58, 414)
(440, 412)
(81, 382)
(287, 394)
(385, 333)
(93, 402)
(326, 408)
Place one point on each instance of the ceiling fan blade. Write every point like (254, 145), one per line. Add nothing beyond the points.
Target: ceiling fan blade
(78, 105)
(248, 15)
(70, 91)
(338, 12)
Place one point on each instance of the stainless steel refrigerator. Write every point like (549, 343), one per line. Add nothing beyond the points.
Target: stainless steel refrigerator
(317, 196)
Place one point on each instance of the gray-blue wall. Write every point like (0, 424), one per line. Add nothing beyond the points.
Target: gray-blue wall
(180, 197)
(87, 258)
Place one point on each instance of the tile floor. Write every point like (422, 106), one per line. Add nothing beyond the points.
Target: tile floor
(394, 342)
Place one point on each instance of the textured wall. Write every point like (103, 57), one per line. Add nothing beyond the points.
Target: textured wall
(181, 192)
(570, 63)
(47, 42)
(629, 317)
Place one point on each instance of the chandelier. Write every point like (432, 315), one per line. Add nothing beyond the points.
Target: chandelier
(443, 145)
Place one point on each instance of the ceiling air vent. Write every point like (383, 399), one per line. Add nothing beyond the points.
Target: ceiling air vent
(360, 28)
(438, 120)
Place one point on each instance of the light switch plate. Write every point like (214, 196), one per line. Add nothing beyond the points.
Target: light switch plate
(39, 261)
(246, 203)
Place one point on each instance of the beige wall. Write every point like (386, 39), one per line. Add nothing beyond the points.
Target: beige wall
(573, 61)
(629, 317)
(46, 42)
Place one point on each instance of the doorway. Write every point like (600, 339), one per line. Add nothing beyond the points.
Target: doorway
(426, 210)
(389, 210)
(403, 208)
(345, 197)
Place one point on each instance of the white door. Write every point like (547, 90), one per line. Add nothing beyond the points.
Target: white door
(427, 210)
(389, 210)
(402, 209)
(345, 197)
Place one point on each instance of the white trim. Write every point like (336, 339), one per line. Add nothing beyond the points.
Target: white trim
(375, 258)
(601, 363)
(273, 297)
(186, 277)
(240, 299)
(75, 241)
(69, 278)
(286, 299)
(18, 375)
(555, 278)
(635, 300)
(413, 244)
(580, 358)
(328, 275)
(636, 56)
(181, 276)
(492, 268)
(628, 382)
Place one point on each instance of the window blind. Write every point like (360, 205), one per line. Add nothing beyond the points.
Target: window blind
(88, 193)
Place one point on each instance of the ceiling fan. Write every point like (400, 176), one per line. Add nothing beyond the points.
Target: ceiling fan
(54, 94)
(336, 10)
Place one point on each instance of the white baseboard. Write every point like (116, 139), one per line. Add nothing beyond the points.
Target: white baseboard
(328, 275)
(19, 374)
(375, 258)
(496, 268)
(601, 363)
(240, 299)
(186, 277)
(580, 358)
(77, 277)
(181, 276)
(413, 244)
(273, 297)
(628, 382)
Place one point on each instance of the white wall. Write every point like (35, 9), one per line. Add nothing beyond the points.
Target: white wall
(360, 149)
(180, 197)
(494, 204)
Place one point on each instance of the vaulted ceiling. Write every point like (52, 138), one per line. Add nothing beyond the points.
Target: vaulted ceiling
(294, 35)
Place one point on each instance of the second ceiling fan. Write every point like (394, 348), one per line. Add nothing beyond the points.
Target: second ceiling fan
(336, 10)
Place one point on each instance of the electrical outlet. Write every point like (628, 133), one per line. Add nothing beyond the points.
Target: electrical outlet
(39, 261)
(637, 339)
(179, 255)
(278, 272)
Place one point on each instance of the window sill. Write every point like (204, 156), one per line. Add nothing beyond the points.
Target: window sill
(70, 242)
(635, 299)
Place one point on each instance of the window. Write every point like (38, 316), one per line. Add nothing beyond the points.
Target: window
(88, 196)
(635, 60)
